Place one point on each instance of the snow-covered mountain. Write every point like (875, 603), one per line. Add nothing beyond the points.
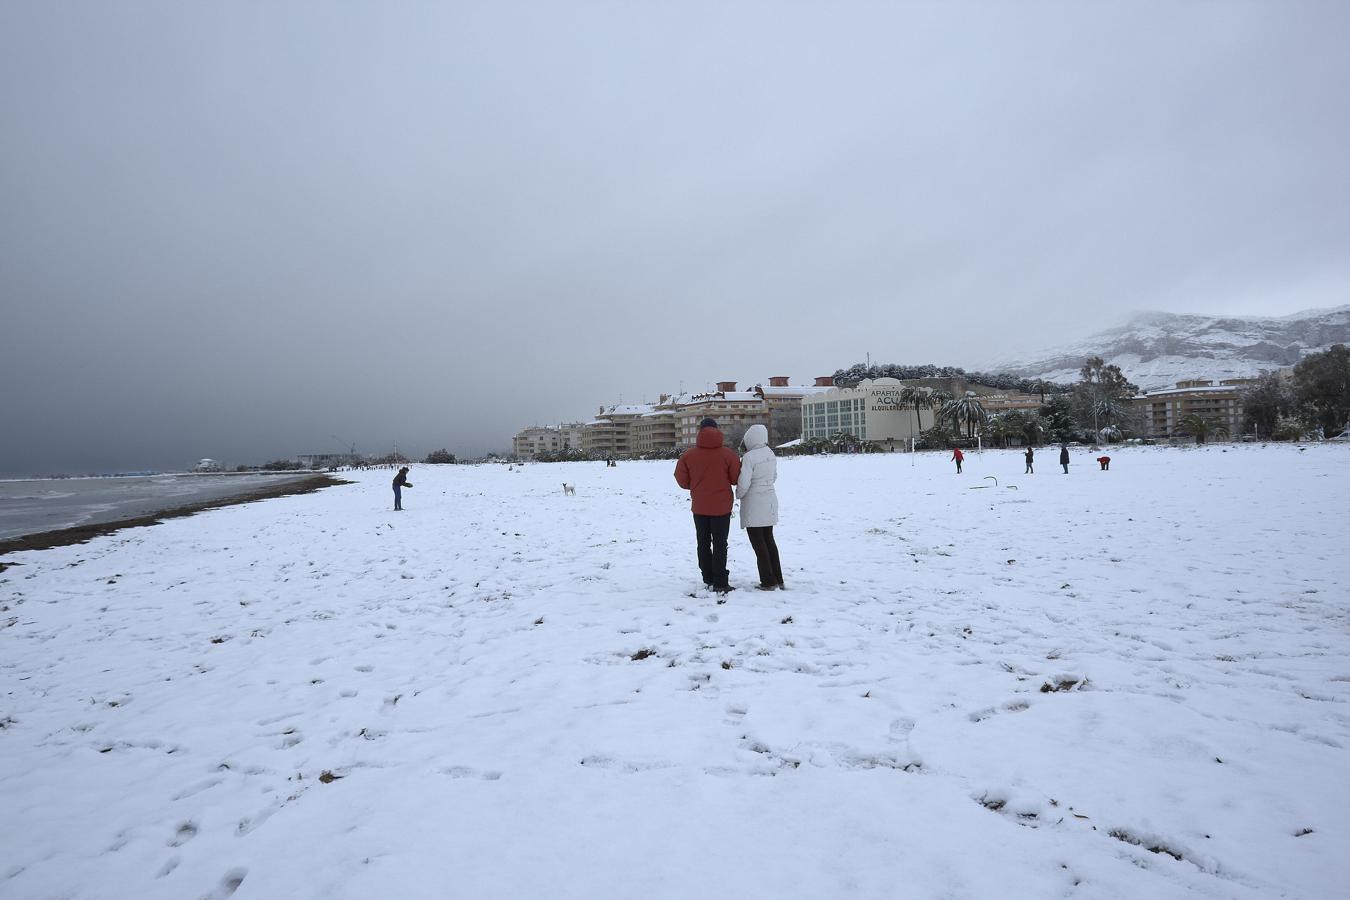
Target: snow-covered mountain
(1158, 349)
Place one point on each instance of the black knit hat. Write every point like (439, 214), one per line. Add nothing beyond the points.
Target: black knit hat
(708, 422)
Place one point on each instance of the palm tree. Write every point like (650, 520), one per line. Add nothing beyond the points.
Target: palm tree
(1110, 411)
(1201, 428)
(1006, 427)
(1034, 427)
(937, 437)
(921, 398)
(965, 412)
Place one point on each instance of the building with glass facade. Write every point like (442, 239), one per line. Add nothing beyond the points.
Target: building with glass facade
(872, 411)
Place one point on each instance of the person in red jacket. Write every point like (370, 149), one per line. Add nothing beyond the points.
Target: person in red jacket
(1104, 462)
(707, 471)
(958, 456)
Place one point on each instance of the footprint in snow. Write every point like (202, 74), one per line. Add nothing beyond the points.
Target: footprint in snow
(229, 883)
(185, 832)
(467, 772)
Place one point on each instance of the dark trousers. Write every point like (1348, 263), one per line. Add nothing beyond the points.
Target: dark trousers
(766, 555)
(398, 497)
(712, 547)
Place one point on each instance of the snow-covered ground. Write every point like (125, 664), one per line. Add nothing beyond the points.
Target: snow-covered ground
(1126, 684)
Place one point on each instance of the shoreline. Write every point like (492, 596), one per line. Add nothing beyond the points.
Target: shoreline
(79, 534)
(19, 479)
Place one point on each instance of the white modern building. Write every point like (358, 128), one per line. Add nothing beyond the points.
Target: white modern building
(872, 411)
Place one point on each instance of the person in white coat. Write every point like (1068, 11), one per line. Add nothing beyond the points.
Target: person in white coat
(759, 504)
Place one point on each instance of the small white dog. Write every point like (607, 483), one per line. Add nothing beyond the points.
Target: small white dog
(569, 489)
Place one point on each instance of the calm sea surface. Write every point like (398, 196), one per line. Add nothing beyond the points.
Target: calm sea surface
(29, 507)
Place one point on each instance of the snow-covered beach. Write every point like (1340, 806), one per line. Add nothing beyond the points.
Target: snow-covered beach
(1126, 684)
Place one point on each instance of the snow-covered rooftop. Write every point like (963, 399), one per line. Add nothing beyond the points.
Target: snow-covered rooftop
(1199, 389)
(628, 409)
(720, 397)
(795, 390)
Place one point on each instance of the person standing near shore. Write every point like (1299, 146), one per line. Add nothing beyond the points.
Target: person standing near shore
(1064, 457)
(400, 482)
(1030, 457)
(759, 505)
(707, 471)
(957, 457)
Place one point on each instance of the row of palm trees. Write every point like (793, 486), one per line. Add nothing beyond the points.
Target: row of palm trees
(966, 416)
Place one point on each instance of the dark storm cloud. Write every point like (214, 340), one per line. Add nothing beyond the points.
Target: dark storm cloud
(256, 229)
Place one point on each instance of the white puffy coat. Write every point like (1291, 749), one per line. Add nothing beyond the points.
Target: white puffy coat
(759, 470)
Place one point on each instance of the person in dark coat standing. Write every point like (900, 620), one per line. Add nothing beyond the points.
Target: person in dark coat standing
(1064, 457)
(707, 471)
(1104, 462)
(400, 482)
(957, 457)
(1030, 457)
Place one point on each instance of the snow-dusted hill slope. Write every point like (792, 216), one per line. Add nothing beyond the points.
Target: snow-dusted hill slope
(1112, 684)
(1159, 349)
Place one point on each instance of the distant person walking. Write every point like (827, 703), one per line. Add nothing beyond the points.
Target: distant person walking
(1064, 457)
(759, 504)
(1030, 457)
(958, 457)
(707, 471)
(400, 482)
(1104, 462)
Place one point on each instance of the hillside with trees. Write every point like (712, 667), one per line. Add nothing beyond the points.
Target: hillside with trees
(857, 372)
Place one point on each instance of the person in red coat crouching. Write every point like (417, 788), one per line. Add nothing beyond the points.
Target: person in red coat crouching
(707, 471)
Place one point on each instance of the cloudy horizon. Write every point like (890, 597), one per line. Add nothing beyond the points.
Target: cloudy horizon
(252, 231)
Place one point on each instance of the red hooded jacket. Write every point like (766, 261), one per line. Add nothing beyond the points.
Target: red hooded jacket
(708, 471)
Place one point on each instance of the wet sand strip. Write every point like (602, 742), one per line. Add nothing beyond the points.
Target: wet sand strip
(64, 537)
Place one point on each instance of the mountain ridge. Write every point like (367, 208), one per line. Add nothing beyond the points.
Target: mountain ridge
(1156, 349)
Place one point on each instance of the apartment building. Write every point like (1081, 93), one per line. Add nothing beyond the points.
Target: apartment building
(611, 432)
(1009, 401)
(530, 442)
(784, 401)
(1220, 403)
(735, 411)
(655, 430)
(637, 429)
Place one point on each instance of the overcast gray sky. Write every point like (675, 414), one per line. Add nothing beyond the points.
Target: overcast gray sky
(245, 230)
